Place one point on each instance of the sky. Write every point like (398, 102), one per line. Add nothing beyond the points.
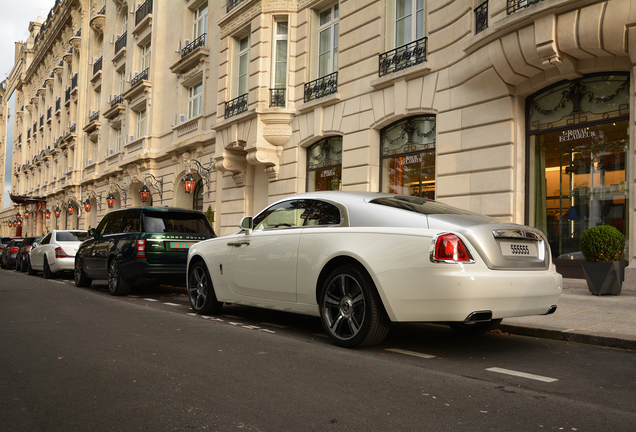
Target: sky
(15, 16)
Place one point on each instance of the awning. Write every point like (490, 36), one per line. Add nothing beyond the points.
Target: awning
(25, 199)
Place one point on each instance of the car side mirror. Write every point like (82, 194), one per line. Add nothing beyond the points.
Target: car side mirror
(92, 232)
(247, 224)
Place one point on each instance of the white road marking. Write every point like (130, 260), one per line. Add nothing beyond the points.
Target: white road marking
(251, 327)
(411, 353)
(149, 299)
(522, 374)
(172, 304)
(267, 331)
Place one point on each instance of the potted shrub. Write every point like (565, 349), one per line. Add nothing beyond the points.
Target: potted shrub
(602, 246)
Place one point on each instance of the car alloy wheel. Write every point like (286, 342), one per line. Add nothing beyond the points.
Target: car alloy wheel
(117, 285)
(48, 274)
(78, 274)
(351, 311)
(201, 292)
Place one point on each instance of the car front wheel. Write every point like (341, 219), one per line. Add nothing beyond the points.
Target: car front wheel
(48, 274)
(474, 328)
(201, 292)
(351, 310)
(117, 285)
(78, 274)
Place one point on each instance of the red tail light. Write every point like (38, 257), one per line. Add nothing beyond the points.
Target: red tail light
(28, 248)
(59, 253)
(13, 250)
(449, 247)
(141, 248)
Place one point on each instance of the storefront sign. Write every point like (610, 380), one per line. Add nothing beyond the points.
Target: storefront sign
(328, 173)
(576, 134)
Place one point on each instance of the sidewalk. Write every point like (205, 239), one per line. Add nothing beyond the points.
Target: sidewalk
(584, 318)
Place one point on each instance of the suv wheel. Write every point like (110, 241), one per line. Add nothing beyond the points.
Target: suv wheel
(117, 285)
(78, 274)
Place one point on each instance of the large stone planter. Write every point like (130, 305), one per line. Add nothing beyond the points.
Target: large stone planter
(604, 278)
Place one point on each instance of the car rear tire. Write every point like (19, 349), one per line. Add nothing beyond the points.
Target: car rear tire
(81, 280)
(475, 328)
(18, 265)
(30, 269)
(48, 274)
(351, 310)
(201, 291)
(117, 285)
(24, 266)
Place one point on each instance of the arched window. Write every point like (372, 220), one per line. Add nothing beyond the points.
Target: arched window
(408, 157)
(197, 196)
(324, 165)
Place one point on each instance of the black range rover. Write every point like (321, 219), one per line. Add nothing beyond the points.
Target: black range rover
(139, 245)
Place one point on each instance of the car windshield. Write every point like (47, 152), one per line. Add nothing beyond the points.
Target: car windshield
(66, 236)
(419, 205)
(171, 222)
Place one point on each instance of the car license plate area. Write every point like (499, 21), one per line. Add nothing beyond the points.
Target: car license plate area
(518, 249)
(181, 245)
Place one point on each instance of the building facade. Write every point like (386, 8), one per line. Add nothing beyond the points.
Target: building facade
(518, 109)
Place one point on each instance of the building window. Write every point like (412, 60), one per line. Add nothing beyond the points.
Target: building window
(197, 196)
(577, 160)
(118, 140)
(409, 21)
(200, 21)
(328, 41)
(280, 55)
(243, 66)
(122, 81)
(324, 165)
(141, 123)
(408, 157)
(194, 100)
(145, 57)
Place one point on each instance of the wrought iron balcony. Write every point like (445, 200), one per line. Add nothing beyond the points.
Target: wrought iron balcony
(48, 113)
(481, 17)
(116, 101)
(323, 86)
(142, 11)
(102, 11)
(236, 106)
(73, 128)
(19, 138)
(74, 81)
(277, 97)
(403, 57)
(121, 42)
(42, 120)
(97, 66)
(231, 4)
(198, 42)
(515, 5)
(94, 117)
(58, 104)
(67, 94)
(78, 33)
(29, 133)
(142, 76)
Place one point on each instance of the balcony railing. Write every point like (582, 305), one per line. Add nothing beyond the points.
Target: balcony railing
(73, 128)
(97, 66)
(481, 17)
(102, 11)
(48, 113)
(58, 104)
(74, 81)
(277, 97)
(94, 117)
(42, 120)
(403, 57)
(67, 94)
(29, 133)
(515, 5)
(321, 87)
(140, 77)
(198, 42)
(116, 101)
(231, 4)
(121, 42)
(236, 106)
(142, 11)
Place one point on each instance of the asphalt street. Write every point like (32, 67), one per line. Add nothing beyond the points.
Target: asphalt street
(79, 359)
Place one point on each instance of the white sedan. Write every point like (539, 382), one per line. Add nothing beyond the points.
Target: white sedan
(360, 261)
(56, 252)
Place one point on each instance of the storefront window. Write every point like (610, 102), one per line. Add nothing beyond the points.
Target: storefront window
(408, 157)
(324, 165)
(577, 147)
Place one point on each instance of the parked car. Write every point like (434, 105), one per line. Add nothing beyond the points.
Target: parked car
(7, 259)
(143, 244)
(22, 258)
(360, 261)
(4, 241)
(56, 252)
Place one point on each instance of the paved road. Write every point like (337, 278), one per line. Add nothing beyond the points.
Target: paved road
(78, 359)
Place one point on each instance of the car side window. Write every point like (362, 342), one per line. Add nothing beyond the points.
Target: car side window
(321, 214)
(46, 239)
(114, 224)
(287, 214)
(130, 222)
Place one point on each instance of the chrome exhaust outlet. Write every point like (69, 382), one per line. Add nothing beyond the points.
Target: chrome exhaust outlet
(551, 310)
(479, 316)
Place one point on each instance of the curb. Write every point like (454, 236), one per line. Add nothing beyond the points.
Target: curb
(600, 339)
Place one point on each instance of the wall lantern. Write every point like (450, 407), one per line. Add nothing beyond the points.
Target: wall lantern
(98, 201)
(17, 223)
(10, 224)
(188, 183)
(87, 205)
(155, 183)
(110, 200)
(204, 171)
(27, 214)
(69, 209)
(17, 216)
(58, 212)
(145, 193)
(47, 214)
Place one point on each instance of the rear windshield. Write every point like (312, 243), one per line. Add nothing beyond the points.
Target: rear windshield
(70, 236)
(172, 222)
(419, 205)
(6, 240)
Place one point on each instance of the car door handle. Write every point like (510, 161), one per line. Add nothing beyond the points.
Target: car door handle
(239, 243)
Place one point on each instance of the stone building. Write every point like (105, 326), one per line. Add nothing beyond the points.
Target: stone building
(518, 109)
